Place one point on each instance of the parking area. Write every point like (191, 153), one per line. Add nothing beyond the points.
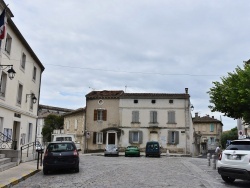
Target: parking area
(100, 171)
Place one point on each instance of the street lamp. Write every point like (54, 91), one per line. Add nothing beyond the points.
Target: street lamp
(11, 71)
(33, 97)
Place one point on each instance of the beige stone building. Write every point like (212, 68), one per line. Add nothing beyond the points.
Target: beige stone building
(208, 130)
(74, 123)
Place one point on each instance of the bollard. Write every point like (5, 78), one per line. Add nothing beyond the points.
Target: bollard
(208, 159)
(213, 162)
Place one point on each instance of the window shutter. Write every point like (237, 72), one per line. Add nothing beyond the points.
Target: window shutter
(137, 116)
(104, 137)
(140, 137)
(169, 137)
(94, 138)
(155, 119)
(104, 115)
(133, 116)
(95, 115)
(176, 137)
(130, 137)
(151, 116)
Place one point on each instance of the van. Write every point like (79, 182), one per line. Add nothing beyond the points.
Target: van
(66, 137)
(153, 149)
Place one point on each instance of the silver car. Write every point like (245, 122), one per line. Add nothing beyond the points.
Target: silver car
(111, 149)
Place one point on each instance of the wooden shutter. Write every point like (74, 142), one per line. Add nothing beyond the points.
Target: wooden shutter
(176, 137)
(130, 137)
(94, 138)
(140, 137)
(104, 137)
(95, 115)
(151, 116)
(171, 117)
(104, 115)
(170, 137)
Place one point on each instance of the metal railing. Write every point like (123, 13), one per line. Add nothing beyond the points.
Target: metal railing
(33, 146)
(7, 142)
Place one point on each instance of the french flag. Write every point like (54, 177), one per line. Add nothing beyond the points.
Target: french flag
(2, 25)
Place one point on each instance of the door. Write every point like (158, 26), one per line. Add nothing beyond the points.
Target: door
(154, 137)
(16, 133)
(111, 138)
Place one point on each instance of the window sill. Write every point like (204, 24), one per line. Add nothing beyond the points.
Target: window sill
(135, 122)
(171, 123)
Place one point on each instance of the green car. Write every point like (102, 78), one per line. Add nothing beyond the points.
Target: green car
(132, 151)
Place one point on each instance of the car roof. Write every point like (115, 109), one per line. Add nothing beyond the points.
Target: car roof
(152, 142)
(241, 140)
(65, 142)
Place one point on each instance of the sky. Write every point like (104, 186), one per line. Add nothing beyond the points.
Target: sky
(152, 46)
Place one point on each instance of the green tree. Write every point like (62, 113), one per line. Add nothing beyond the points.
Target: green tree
(51, 122)
(231, 95)
(228, 135)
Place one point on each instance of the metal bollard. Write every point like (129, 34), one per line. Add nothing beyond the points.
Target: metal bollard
(213, 162)
(208, 159)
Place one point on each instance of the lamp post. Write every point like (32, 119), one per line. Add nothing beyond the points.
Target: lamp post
(11, 71)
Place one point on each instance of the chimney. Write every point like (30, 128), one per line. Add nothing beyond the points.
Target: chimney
(186, 89)
(213, 117)
(196, 114)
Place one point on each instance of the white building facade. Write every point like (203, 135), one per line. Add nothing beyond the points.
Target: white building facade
(18, 112)
(165, 118)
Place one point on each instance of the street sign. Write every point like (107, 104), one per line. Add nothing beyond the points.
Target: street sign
(88, 134)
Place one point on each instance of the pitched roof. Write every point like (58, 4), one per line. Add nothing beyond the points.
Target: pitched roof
(111, 94)
(105, 94)
(205, 119)
(74, 112)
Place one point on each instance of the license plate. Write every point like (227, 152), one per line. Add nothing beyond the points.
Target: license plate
(234, 157)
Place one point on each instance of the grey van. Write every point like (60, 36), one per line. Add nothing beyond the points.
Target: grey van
(153, 149)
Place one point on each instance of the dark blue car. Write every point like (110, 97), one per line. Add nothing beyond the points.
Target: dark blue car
(153, 149)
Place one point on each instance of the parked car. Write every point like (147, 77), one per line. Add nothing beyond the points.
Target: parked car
(153, 149)
(233, 162)
(61, 155)
(111, 149)
(66, 137)
(132, 151)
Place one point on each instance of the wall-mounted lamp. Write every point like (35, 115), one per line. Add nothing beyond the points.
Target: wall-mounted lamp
(11, 71)
(33, 97)
(192, 107)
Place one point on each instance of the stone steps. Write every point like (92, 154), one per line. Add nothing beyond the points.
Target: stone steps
(5, 163)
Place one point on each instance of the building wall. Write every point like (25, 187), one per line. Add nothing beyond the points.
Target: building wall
(112, 107)
(74, 124)
(17, 117)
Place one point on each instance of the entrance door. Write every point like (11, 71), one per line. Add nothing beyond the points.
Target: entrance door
(16, 133)
(153, 137)
(111, 138)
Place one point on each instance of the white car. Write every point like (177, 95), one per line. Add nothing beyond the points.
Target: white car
(234, 161)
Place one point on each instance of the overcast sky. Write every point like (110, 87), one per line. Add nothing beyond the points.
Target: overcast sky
(156, 46)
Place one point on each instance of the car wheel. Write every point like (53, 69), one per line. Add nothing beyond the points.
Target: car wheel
(126, 155)
(146, 155)
(228, 179)
(138, 155)
(77, 169)
(45, 171)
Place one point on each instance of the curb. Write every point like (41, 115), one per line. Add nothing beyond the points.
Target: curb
(14, 181)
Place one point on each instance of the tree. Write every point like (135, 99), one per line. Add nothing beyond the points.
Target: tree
(51, 122)
(228, 135)
(232, 95)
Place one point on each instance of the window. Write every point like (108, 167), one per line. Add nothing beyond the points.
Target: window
(153, 101)
(212, 140)
(8, 44)
(7, 135)
(135, 101)
(30, 133)
(19, 94)
(153, 117)
(99, 137)
(171, 101)
(3, 82)
(67, 125)
(31, 102)
(135, 116)
(171, 117)
(76, 124)
(100, 115)
(34, 74)
(173, 137)
(135, 137)
(23, 61)
(211, 127)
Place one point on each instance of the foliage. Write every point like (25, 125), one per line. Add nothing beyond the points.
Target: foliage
(231, 95)
(228, 135)
(51, 122)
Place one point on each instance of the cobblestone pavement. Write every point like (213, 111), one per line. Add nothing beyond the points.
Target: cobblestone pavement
(100, 171)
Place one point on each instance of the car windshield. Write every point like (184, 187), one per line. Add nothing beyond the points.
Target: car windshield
(59, 147)
(152, 145)
(111, 146)
(239, 145)
(133, 147)
(63, 139)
